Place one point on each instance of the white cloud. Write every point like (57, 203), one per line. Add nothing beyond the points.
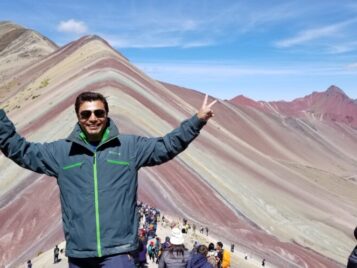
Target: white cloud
(312, 34)
(342, 48)
(142, 42)
(203, 43)
(169, 27)
(153, 41)
(210, 69)
(72, 26)
(307, 35)
(254, 18)
(189, 25)
(352, 66)
(221, 71)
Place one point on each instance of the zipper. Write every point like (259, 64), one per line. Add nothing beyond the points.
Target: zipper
(96, 194)
(96, 203)
(96, 200)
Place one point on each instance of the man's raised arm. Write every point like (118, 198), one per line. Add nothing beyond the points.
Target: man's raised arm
(33, 156)
(155, 151)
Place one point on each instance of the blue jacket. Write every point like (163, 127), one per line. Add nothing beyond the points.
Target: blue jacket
(198, 261)
(98, 187)
(352, 260)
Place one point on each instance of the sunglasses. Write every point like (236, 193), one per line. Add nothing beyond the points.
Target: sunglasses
(86, 114)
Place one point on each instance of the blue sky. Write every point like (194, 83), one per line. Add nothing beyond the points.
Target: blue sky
(265, 50)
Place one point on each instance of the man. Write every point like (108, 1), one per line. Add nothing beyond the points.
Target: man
(96, 170)
(166, 245)
(199, 260)
(55, 254)
(219, 249)
(223, 255)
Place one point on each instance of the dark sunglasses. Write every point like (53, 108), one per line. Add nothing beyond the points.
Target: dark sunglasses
(85, 114)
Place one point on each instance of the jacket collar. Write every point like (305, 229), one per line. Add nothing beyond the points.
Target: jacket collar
(79, 137)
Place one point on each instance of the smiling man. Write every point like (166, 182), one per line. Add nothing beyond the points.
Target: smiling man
(96, 170)
(92, 115)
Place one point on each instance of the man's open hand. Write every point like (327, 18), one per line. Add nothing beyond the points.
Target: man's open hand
(205, 111)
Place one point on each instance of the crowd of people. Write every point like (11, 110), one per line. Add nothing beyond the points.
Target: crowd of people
(172, 252)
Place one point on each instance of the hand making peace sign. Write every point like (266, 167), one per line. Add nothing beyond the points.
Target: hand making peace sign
(205, 111)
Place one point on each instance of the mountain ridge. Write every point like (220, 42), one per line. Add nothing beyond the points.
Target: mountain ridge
(19, 48)
(331, 105)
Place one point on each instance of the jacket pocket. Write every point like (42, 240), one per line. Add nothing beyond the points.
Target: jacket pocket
(74, 165)
(116, 162)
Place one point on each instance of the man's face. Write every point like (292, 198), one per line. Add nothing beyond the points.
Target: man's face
(93, 119)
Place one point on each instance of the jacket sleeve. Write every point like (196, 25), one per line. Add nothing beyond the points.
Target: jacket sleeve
(155, 151)
(33, 156)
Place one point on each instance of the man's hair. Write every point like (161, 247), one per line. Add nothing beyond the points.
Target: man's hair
(90, 96)
(178, 249)
(355, 232)
(202, 249)
(211, 246)
(220, 244)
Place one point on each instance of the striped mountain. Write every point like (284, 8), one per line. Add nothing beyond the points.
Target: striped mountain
(280, 185)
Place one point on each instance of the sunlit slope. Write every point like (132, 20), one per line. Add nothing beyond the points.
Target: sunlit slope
(19, 48)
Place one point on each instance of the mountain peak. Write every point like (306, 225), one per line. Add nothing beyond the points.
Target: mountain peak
(244, 101)
(332, 104)
(335, 91)
(19, 47)
(10, 23)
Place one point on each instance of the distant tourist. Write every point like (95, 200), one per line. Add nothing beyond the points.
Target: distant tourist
(140, 254)
(56, 252)
(206, 230)
(166, 245)
(194, 228)
(232, 247)
(352, 260)
(96, 168)
(212, 255)
(177, 256)
(29, 264)
(151, 251)
(223, 255)
(263, 262)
